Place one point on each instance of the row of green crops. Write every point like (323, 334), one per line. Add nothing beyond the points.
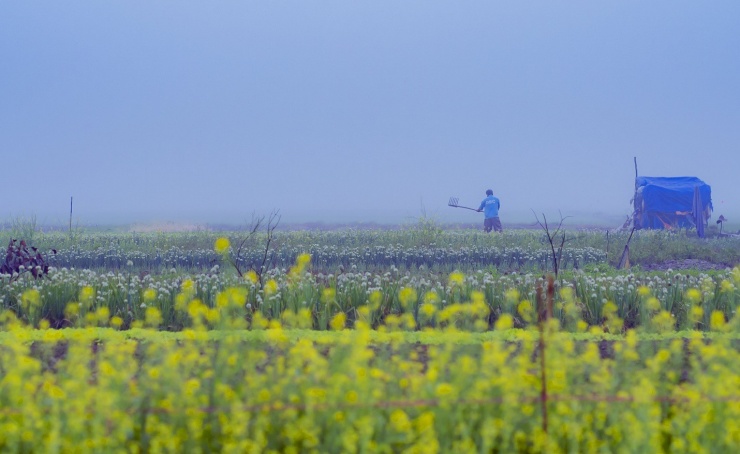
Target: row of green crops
(375, 250)
(101, 390)
(370, 258)
(416, 300)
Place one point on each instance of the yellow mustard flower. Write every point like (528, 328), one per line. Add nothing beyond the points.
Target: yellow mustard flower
(338, 321)
(427, 310)
(303, 260)
(152, 317)
(653, 303)
(526, 310)
(72, 310)
(251, 276)
(456, 279)
(376, 297)
(717, 320)
(271, 287)
(221, 245)
(693, 295)
(506, 321)
(643, 290)
(187, 286)
(567, 294)
(31, 298)
(407, 296)
(696, 313)
(87, 296)
(351, 397)
(512, 295)
(150, 295)
(400, 420)
(431, 297)
(328, 295)
(726, 286)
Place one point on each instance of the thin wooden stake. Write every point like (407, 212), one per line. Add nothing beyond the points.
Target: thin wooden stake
(545, 313)
(635, 173)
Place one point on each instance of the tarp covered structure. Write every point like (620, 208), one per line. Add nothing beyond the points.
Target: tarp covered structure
(672, 202)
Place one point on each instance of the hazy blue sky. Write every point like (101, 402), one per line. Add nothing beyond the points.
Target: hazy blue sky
(361, 110)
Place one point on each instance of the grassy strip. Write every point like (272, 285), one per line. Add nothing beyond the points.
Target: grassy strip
(333, 337)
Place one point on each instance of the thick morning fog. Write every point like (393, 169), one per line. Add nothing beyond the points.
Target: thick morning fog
(334, 111)
(369, 226)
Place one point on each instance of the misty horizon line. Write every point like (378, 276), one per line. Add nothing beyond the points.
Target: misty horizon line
(569, 221)
(449, 215)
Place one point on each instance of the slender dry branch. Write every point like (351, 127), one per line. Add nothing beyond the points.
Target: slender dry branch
(252, 229)
(556, 255)
(269, 224)
(272, 222)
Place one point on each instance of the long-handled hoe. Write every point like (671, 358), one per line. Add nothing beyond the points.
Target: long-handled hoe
(453, 203)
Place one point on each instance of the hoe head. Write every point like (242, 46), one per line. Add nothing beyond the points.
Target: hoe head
(453, 202)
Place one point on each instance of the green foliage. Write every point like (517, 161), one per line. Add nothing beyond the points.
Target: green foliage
(120, 267)
(23, 228)
(426, 232)
(658, 246)
(440, 299)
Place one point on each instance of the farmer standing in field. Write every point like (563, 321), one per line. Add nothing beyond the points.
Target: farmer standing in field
(490, 206)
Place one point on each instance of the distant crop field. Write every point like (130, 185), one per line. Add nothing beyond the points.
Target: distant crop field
(425, 273)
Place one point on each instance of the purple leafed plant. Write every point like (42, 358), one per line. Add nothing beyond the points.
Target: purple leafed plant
(21, 259)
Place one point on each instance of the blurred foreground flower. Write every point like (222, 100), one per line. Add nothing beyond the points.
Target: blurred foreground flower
(221, 245)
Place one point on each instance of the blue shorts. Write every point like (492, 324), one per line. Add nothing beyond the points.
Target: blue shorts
(492, 224)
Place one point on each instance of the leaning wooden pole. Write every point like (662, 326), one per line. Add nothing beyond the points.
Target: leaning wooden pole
(634, 199)
(635, 173)
(624, 261)
(70, 215)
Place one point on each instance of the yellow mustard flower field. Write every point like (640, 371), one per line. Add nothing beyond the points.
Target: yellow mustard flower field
(290, 361)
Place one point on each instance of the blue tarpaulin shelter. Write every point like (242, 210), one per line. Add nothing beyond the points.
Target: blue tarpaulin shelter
(672, 202)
